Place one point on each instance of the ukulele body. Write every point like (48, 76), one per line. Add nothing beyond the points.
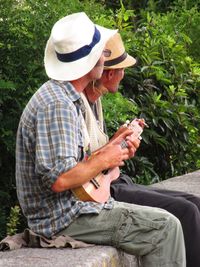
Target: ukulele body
(98, 191)
(98, 188)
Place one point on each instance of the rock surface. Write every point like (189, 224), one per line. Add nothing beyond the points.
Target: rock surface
(97, 256)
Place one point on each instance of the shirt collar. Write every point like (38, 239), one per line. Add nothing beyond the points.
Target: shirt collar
(71, 91)
(72, 94)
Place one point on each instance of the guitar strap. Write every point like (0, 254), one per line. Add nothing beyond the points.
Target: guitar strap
(92, 128)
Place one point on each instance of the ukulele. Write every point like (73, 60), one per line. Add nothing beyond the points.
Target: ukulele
(98, 188)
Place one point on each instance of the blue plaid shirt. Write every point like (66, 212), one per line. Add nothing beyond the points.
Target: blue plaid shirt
(49, 141)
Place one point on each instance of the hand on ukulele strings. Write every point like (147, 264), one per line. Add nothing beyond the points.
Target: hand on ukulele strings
(133, 140)
(118, 132)
(114, 154)
(132, 145)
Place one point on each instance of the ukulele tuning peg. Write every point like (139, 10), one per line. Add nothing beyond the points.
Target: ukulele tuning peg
(126, 124)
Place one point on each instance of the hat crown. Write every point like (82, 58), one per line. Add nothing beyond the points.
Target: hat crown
(74, 47)
(64, 32)
(117, 57)
(115, 46)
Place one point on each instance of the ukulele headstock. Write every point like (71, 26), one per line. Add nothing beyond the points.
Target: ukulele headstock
(137, 125)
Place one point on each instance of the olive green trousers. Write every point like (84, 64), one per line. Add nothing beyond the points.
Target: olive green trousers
(151, 233)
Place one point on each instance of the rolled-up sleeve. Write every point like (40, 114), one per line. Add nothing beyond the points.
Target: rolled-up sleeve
(57, 141)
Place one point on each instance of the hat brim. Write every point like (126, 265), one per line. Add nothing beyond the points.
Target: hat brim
(127, 62)
(70, 71)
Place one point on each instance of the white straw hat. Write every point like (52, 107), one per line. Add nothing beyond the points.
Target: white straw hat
(74, 47)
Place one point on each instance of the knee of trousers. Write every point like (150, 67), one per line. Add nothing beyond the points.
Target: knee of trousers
(189, 209)
(172, 222)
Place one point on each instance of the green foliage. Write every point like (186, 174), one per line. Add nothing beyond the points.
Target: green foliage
(165, 87)
(189, 20)
(141, 170)
(13, 220)
(117, 110)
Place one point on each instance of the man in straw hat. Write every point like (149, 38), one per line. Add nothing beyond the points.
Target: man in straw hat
(186, 207)
(51, 144)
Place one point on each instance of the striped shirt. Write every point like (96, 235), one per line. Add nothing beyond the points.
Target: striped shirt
(49, 143)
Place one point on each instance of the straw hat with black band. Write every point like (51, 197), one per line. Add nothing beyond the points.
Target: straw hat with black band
(116, 57)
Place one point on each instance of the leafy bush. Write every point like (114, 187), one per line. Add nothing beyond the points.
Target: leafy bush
(13, 220)
(117, 110)
(164, 84)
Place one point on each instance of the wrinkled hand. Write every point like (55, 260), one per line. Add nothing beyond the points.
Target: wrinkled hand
(121, 130)
(132, 142)
(112, 154)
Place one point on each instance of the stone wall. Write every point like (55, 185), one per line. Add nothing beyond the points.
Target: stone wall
(97, 256)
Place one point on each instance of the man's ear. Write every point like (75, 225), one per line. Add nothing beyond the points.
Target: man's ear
(110, 74)
(107, 76)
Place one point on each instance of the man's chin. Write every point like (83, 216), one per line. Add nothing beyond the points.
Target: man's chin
(112, 90)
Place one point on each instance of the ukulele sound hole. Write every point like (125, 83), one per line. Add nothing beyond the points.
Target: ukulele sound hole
(95, 182)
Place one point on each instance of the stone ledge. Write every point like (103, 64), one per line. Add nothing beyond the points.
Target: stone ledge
(97, 256)
(189, 183)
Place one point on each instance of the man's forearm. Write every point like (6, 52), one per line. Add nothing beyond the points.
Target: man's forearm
(109, 156)
(79, 175)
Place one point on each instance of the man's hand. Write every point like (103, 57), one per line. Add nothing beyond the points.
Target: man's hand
(109, 156)
(121, 130)
(113, 154)
(132, 142)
